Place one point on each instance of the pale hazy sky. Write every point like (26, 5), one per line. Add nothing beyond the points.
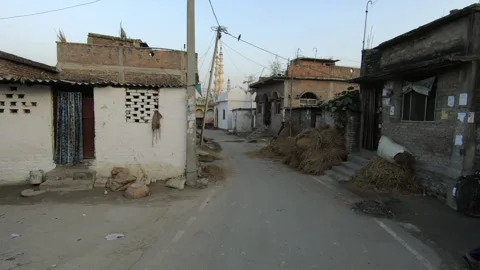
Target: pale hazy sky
(334, 27)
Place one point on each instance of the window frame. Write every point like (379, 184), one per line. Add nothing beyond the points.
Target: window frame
(278, 107)
(259, 108)
(434, 90)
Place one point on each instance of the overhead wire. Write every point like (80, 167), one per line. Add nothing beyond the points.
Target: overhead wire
(253, 45)
(202, 58)
(49, 11)
(255, 62)
(213, 11)
(233, 63)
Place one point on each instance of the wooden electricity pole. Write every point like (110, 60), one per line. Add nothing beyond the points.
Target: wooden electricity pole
(219, 35)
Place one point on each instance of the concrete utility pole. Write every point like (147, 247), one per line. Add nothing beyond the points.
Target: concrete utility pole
(219, 35)
(191, 166)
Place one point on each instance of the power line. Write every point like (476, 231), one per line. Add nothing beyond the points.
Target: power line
(253, 45)
(202, 58)
(213, 10)
(49, 11)
(243, 55)
(233, 63)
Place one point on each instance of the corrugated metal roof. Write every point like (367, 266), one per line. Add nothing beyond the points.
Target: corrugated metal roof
(100, 84)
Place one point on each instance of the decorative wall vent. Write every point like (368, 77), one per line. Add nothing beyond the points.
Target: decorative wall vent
(13, 102)
(140, 105)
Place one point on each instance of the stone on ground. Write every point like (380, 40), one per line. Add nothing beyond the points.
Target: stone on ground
(202, 153)
(136, 191)
(36, 177)
(202, 182)
(178, 183)
(31, 192)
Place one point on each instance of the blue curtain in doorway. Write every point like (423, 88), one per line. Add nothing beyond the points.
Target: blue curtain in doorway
(69, 139)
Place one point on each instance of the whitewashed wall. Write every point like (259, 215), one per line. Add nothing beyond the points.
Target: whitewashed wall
(223, 123)
(27, 133)
(242, 120)
(127, 144)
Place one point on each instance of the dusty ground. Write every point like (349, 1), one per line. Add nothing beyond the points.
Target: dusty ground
(449, 232)
(264, 216)
(67, 230)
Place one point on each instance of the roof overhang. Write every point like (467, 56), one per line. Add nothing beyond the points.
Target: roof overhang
(32, 81)
(417, 69)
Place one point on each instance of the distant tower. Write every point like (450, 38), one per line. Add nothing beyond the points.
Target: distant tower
(219, 74)
(228, 85)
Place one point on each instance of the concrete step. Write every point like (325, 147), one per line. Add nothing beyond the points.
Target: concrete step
(67, 184)
(337, 176)
(360, 160)
(69, 178)
(353, 165)
(343, 170)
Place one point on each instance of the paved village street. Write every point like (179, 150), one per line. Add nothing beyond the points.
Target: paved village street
(266, 216)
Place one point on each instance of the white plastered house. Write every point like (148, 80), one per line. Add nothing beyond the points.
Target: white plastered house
(49, 122)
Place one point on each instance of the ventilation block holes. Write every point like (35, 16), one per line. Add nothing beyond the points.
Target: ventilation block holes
(27, 111)
(2, 103)
(140, 104)
(2, 110)
(34, 104)
(13, 104)
(21, 96)
(13, 111)
(9, 95)
(13, 88)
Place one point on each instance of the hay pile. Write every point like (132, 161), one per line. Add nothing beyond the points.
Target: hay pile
(312, 151)
(215, 172)
(317, 150)
(383, 176)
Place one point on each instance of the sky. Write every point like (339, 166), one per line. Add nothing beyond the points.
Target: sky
(321, 28)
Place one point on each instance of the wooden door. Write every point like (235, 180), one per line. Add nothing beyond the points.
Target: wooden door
(88, 121)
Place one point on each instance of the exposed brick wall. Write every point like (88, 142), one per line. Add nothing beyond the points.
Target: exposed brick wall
(89, 75)
(113, 42)
(432, 143)
(138, 57)
(9, 68)
(324, 90)
(320, 69)
(89, 62)
(87, 54)
(153, 78)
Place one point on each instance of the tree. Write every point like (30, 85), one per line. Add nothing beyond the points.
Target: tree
(276, 68)
(250, 79)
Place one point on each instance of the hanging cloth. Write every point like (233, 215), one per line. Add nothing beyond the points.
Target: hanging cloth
(422, 87)
(69, 135)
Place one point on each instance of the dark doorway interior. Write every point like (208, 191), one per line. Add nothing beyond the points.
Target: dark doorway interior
(267, 116)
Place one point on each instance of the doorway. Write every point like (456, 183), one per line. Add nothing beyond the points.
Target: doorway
(267, 115)
(74, 127)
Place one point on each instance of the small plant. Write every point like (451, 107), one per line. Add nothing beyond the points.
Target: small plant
(345, 101)
(61, 36)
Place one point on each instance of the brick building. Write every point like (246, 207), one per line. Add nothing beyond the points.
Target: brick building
(420, 88)
(307, 82)
(95, 111)
(108, 58)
